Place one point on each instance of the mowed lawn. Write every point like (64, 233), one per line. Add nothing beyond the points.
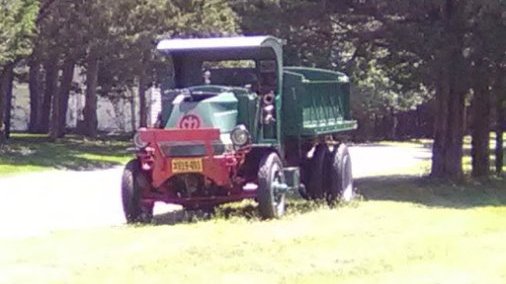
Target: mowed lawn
(31, 153)
(404, 230)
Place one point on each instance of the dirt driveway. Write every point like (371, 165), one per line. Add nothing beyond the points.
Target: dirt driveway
(34, 204)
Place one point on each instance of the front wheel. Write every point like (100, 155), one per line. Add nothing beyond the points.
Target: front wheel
(341, 178)
(133, 208)
(271, 202)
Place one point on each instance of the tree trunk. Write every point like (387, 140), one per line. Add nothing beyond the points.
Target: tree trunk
(64, 93)
(448, 131)
(499, 143)
(2, 105)
(55, 116)
(500, 124)
(9, 81)
(33, 86)
(133, 122)
(51, 83)
(143, 116)
(4, 85)
(90, 107)
(450, 105)
(480, 127)
(395, 124)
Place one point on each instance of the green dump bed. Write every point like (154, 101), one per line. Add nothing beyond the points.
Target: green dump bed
(315, 102)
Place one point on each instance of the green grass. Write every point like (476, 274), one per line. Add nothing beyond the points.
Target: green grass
(403, 229)
(406, 230)
(31, 153)
(28, 153)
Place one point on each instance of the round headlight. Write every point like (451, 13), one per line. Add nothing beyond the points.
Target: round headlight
(240, 136)
(138, 142)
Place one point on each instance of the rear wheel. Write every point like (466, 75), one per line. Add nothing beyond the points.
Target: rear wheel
(271, 202)
(341, 178)
(316, 173)
(133, 208)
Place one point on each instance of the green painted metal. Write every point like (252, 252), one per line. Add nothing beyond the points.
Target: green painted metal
(309, 102)
(315, 102)
(218, 107)
(217, 110)
(189, 55)
(248, 113)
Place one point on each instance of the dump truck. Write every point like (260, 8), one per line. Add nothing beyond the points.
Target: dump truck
(236, 124)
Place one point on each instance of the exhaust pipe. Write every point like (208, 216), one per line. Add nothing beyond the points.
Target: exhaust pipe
(268, 108)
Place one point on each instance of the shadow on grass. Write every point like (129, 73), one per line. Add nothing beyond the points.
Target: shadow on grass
(418, 190)
(74, 152)
(425, 191)
(241, 210)
(246, 210)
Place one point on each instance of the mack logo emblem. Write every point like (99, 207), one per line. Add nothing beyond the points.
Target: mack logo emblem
(189, 122)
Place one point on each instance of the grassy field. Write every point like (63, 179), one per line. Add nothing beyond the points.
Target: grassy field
(404, 230)
(28, 153)
(31, 153)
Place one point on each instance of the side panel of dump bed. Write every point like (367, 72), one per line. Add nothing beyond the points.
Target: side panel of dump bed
(315, 102)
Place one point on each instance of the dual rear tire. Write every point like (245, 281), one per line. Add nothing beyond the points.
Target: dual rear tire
(329, 175)
(340, 186)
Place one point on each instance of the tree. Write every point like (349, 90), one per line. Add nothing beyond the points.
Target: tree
(486, 56)
(500, 122)
(345, 35)
(139, 25)
(114, 43)
(451, 40)
(17, 25)
(6, 85)
(396, 51)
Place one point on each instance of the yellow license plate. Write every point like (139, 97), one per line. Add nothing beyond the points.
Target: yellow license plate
(187, 166)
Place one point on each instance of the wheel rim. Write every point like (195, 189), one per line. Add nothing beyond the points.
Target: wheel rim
(278, 199)
(347, 181)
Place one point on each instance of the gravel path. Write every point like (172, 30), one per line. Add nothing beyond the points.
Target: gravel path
(42, 202)
(378, 159)
(34, 204)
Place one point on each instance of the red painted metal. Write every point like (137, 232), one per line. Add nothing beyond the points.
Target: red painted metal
(190, 121)
(215, 167)
(221, 169)
(198, 201)
(157, 135)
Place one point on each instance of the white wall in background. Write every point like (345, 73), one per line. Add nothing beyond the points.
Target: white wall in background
(112, 117)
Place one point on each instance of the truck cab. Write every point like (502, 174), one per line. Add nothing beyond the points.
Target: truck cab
(235, 124)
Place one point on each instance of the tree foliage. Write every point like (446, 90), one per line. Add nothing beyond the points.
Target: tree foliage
(113, 44)
(447, 55)
(17, 26)
(400, 54)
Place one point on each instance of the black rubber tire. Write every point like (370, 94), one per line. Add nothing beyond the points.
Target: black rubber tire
(341, 176)
(133, 210)
(271, 204)
(304, 177)
(317, 173)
